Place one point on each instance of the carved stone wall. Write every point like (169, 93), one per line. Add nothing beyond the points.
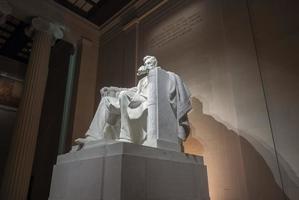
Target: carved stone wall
(238, 58)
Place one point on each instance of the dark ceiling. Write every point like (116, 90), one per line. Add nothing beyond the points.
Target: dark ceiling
(96, 11)
(14, 43)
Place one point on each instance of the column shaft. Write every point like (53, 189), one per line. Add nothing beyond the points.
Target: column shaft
(17, 175)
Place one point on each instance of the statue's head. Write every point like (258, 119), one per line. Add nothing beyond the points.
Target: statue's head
(149, 62)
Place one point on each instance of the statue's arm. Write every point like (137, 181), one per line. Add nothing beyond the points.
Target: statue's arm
(114, 91)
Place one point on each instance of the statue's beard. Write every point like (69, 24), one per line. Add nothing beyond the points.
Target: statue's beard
(144, 70)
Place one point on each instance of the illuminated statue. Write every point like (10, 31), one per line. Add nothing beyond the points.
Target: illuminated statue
(142, 114)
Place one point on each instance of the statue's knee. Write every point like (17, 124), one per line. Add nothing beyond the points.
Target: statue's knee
(104, 99)
(122, 95)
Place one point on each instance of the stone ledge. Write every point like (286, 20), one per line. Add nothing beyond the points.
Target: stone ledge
(126, 171)
(112, 148)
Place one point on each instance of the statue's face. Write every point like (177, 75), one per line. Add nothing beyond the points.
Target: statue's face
(150, 63)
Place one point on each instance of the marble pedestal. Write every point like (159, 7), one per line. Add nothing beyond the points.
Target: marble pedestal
(124, 171)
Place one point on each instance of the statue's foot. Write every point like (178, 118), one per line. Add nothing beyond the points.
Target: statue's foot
(82, 141)
(124, 140)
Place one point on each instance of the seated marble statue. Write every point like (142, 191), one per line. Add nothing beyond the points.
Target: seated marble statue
(122, 113)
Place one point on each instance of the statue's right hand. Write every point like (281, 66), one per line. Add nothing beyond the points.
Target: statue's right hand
(104, 91)
(111, 91)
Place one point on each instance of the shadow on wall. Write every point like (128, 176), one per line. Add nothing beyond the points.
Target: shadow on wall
(290, 178)
(235, 169)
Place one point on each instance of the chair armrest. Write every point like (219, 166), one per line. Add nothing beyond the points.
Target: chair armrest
(114, 91)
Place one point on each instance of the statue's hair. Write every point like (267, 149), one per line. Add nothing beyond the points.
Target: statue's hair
(151, 57)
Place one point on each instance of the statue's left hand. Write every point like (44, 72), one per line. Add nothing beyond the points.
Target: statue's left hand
(136, 101)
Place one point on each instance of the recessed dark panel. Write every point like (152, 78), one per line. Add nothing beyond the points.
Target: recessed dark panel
(96, 11)
(15, 43)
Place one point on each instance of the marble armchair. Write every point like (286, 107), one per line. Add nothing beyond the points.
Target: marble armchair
(162, 125)
(154, 113)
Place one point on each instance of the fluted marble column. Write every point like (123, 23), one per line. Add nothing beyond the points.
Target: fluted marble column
(16, 179)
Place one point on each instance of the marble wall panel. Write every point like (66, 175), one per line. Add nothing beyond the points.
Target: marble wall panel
(275, 29)
(238, 57)
(86, 95)
(211, 46)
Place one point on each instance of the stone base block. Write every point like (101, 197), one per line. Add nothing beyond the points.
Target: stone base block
(125, 171)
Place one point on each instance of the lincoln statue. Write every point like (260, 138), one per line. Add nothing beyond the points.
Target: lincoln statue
(123, 112)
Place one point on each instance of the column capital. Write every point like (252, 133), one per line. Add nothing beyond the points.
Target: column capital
(5, 9)
(55, 30)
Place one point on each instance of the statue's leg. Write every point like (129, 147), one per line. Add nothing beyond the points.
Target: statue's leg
(133, 128)
(124, 100)
(99, 124)
(96, 127)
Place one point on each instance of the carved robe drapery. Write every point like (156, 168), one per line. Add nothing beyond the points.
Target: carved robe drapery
(122, 113)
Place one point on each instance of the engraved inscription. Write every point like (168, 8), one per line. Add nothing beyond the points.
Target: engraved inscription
(175, 30)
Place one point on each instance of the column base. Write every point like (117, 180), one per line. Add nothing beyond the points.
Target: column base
(125, 171)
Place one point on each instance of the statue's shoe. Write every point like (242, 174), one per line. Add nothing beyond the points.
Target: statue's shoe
(85, 140)
(123, 140)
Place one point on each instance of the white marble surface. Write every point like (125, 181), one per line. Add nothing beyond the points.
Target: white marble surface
(125, 171)
(104, 148)
(152, 114)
